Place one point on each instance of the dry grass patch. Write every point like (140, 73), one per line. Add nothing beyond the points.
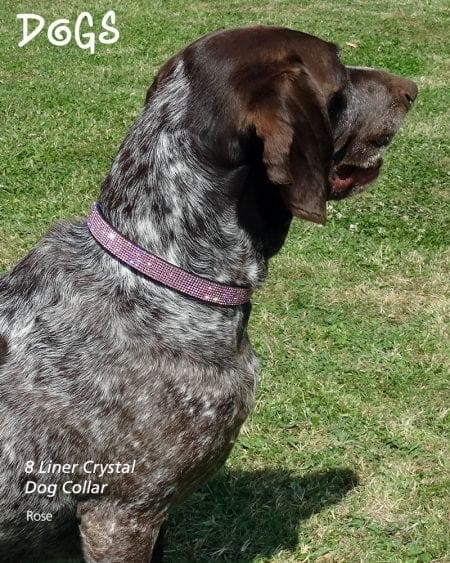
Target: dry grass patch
(399, 297)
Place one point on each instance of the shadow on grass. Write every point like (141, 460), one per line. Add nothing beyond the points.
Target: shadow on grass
(239, 516)
(243, 515)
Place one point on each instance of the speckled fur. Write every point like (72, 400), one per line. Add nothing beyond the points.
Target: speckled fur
(97, 362)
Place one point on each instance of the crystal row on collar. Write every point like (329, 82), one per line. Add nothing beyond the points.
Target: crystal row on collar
(159, 270)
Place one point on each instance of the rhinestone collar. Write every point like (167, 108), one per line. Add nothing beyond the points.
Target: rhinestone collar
(159, 270)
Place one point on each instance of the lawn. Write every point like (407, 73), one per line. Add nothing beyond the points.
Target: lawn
(346, 456)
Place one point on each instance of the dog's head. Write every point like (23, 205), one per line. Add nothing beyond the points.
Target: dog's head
(365, 115)
(318, 127)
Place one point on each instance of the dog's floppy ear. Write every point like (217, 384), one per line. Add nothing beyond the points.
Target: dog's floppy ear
(290, 118)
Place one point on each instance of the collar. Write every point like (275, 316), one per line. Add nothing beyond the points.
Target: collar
(159, 270)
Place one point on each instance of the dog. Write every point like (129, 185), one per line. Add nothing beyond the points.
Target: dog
(123, 339)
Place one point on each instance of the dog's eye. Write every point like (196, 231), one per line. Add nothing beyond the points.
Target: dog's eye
(382, 141)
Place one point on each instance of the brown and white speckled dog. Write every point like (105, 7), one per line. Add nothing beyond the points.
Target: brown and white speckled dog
(241, 131)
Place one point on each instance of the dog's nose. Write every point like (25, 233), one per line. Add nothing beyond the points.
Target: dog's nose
(407, 90)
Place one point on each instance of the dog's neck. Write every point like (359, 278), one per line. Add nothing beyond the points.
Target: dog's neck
(163, 194)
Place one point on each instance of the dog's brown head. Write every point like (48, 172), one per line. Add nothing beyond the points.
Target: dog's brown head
(365, 116)
(321, 127)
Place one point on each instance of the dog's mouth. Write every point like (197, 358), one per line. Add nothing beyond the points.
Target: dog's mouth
(345, 177)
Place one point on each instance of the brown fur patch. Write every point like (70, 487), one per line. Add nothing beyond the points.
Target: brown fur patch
(3, 349)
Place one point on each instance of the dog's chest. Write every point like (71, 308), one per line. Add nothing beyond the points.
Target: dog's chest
(184, 426)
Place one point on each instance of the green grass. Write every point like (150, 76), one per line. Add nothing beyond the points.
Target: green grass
(345, 456)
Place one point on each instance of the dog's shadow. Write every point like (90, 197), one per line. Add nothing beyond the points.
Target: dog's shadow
(240, 516)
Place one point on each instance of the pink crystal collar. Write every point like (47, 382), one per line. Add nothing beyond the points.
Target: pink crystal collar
(159, 270)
